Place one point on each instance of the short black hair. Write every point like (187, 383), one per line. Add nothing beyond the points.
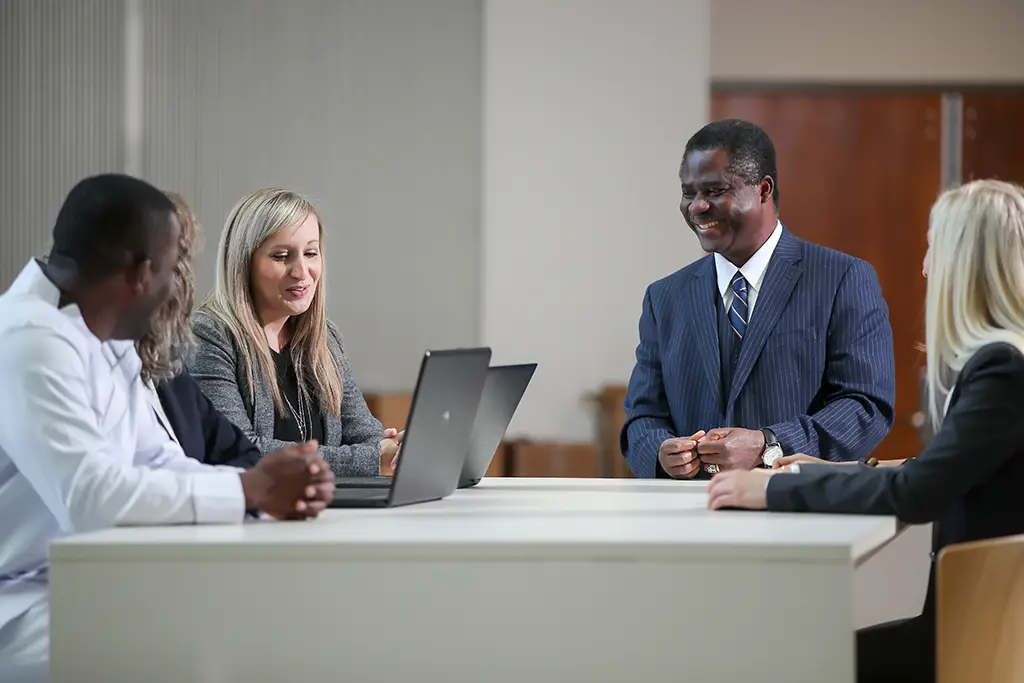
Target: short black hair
(751, 152)
(107, 219)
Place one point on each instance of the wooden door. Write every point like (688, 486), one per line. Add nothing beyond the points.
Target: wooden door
(993, 135)
(859, 171)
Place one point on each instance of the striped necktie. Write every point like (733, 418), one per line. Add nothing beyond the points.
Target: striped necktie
(738, 310)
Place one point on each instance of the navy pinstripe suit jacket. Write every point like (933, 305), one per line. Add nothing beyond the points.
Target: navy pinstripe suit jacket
(816, 363)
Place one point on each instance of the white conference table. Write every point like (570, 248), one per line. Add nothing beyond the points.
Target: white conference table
(513, 580)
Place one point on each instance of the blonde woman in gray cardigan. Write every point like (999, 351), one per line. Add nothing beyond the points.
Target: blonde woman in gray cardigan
(266, 355)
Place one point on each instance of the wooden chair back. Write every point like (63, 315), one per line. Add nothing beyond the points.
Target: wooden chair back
(980, 612)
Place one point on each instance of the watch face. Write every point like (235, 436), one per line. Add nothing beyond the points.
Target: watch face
(771, 454)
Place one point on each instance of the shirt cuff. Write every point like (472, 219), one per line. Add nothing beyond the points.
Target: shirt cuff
(218, 498)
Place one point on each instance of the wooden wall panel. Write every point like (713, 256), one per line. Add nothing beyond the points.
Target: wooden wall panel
(993, 135)
(552, 459)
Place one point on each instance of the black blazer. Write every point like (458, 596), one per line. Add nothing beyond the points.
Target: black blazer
(204, 434)
(968, 480)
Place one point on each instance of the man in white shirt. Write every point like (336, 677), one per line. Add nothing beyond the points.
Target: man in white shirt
(79, 448)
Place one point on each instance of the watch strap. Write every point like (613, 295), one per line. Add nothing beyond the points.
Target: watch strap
(771, 443)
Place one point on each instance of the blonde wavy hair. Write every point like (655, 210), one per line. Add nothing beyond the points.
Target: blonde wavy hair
(975, 266)
(252, 221)
(169, 337)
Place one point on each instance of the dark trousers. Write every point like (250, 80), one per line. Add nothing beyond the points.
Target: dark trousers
(897, 652)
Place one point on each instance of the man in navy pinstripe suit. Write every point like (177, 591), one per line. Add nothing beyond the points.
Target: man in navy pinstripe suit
(767, 346)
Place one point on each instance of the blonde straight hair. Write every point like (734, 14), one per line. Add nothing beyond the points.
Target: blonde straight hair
(975, 266)
(252, 221)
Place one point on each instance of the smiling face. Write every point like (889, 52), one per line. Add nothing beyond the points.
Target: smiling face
(729, 216)
(286, 269)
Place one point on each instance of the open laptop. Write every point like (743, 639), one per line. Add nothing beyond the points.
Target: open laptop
(503, 390)
(441, 419)
(502, 393)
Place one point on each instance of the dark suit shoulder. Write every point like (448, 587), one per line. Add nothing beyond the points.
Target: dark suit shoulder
(820, 257)
(681, 277)
(184, 391)
(828, 265)
(996, 355)
(180, 384)
(999, 361)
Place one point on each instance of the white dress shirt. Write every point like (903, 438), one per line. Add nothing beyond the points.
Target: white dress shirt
(753, 271)
(80, 449)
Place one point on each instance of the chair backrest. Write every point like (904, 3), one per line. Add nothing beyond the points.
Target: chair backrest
(980, 612)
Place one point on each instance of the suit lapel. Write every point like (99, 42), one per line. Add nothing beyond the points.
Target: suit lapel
(780, 278)
(701, 292)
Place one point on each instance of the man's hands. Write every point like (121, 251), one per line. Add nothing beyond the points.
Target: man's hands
(390, 445)
(732, 448)
(678, 457)
(291, 483)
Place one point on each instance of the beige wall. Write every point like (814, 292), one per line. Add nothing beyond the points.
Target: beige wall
(587, 107)
(61, 113)
(868, 40)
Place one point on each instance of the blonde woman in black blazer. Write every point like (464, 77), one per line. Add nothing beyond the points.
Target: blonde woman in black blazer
(969, 479)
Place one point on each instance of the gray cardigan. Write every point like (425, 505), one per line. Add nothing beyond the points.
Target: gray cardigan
(351, 441)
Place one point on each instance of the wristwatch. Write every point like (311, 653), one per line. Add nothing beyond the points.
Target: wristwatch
(772, 449)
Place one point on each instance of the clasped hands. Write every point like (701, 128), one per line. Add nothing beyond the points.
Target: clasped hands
(730, 448)
(292, 483)
(390, 446)
(296, 483)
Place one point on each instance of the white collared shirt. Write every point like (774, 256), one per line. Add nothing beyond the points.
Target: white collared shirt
(753, 271)
(80, 447)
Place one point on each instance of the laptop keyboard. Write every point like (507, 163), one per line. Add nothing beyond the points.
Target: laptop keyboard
(361, 482)
(360, 494)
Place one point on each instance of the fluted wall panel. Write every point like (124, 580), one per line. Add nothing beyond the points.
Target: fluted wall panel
(61, 112)
(373, 109)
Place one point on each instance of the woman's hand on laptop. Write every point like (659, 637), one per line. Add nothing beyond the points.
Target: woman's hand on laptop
(390, 446)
